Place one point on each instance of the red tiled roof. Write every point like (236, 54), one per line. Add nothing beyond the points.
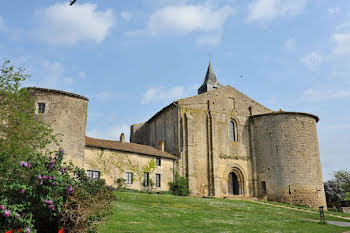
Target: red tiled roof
(127, 146)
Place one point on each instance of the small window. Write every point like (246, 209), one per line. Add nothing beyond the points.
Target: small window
(145, 179)
(93, 174)
(41, 107)
(158, 162)
(129, 177)
(233, 128)
(158, 180)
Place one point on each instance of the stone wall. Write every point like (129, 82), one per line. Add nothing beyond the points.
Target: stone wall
(166, 169)
(66, 113)
(288, 158)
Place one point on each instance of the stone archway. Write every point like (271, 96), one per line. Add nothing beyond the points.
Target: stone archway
(235, 182)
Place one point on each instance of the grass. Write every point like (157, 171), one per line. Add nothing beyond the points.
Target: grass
(307, 208)
(139, 212)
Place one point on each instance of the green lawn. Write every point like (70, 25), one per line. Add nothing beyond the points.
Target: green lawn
(138, 212)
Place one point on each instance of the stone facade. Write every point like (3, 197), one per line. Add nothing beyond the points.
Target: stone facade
(66, 113)
(165, 170)
(219, 137)
(225, 142)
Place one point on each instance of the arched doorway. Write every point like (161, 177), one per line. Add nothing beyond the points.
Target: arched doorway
(235, 183)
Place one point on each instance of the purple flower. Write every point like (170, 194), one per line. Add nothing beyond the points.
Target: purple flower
(63, 170)
(48, 202)
(61, 151)
(40, 177)
(45, 177)
(50, 177)
(53, 177)
(70, 189)
(53, 183)
(21, 163)
(41, 182)
(29, 165)
(2, 207)
(52, 207)
(27, 229)
(23, 191)
(7, 213)
(52, 163)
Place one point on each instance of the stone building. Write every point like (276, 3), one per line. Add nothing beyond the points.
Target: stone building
(229, 144)
(226, 143)
(67, 114)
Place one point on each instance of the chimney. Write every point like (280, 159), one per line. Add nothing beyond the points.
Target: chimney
(122, 138)
(161, 145)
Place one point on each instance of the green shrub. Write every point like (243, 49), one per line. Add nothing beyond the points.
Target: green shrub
(42, 194)
(180, 186)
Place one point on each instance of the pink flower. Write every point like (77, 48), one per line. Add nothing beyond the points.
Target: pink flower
(21, 163)
(53, 183)
(6, 213)
(52, 163)
(2, 207)
(23, 191)
(52, 207)
(50, 177)
(29, 165)
(63, 170)
(18, 215)
(40, 177)
(70, 189)
(41, 182)
(48, 202)
(27, 229)
(45, 177)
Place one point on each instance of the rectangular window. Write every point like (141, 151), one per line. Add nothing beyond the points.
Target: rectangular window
(158, 180)
(129, 177)
(41, 107)
(158, 162)
(146, 179)
(93, 174)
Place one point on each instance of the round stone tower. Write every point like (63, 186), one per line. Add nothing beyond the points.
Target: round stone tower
(66, 113)
(287, 155)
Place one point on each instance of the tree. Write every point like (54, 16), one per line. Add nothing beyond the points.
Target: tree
(342, 177)
(21, 131)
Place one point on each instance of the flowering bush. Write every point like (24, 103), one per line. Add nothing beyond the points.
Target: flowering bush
(39, 192)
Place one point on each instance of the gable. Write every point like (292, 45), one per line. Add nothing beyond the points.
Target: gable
(223, 100)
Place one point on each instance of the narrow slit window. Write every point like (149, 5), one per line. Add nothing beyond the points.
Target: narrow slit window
(41, 107)
(233, 136)
(158, 180)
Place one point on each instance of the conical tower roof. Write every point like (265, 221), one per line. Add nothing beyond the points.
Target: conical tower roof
(210, 81)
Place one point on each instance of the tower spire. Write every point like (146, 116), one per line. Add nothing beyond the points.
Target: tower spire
(210, 81)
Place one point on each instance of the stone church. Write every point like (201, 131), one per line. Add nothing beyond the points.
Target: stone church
(226, 143)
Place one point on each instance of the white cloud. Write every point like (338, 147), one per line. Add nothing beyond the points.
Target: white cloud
(82, 75)
(267, 10)
(3, 26)
(342, 43)
(111, 132)
(312, 61)
(334, 11)
(127, 16)
(185, 19)
(290, 44)
(64, 24)
(104, 96)
(312, 95)
(163, 94)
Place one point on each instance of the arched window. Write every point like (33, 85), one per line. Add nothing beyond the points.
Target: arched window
(233, 131)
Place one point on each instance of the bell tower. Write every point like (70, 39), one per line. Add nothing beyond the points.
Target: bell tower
(210, 81)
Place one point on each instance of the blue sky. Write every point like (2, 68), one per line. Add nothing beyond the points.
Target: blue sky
(131, 58)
